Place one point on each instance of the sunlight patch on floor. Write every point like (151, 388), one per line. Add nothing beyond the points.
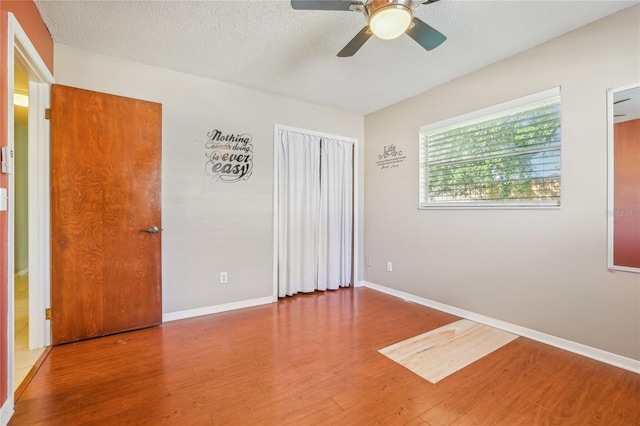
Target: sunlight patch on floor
(24, 359)
(441, 352)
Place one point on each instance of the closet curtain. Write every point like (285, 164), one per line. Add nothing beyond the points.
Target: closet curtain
(298, 213)
(315, 213)
(336, 214)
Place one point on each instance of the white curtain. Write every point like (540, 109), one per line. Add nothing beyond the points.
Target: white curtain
(315, 213)
(298, 212)
(336, 214)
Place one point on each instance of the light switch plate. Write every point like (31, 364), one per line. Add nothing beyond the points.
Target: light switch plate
(6, 155)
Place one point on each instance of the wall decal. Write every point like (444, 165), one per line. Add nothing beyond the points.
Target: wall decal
(390, 158)
(230, 156)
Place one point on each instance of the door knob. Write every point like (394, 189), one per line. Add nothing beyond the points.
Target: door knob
(153, 230)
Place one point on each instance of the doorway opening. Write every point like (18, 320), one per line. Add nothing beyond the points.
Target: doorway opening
(28, 231)
(24, 356)
(315, 211)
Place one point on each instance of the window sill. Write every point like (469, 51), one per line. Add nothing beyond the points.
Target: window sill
(487, 206)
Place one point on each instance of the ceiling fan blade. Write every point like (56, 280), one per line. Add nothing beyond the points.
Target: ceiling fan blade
(323, 4)
(429, 1)
(356, 43)
(621, 100)
(426, 36)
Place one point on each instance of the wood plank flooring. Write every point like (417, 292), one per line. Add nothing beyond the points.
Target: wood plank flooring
(313, 359)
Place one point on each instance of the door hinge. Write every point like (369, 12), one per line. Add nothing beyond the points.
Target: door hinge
(47, 113)
(47, 313)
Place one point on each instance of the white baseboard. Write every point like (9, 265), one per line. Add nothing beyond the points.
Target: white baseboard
(568, 345)
(207, 310)
(6, 412)
(359, 284)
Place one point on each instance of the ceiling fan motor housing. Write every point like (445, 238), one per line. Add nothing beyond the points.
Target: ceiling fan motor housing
(373, 6)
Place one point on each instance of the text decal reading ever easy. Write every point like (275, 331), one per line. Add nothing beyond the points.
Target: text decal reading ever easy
(230, 156)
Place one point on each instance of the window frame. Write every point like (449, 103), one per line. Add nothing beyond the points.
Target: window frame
(482, 115)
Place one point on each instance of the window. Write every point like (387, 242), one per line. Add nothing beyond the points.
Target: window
(503, 156)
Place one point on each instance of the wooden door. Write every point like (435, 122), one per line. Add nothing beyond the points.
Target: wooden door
(105, 191)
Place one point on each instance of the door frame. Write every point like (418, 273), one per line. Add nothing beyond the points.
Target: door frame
(611, 266)
(356, 199)
(40, 80)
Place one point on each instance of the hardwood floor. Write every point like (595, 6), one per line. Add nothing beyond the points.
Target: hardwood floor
(313, 359)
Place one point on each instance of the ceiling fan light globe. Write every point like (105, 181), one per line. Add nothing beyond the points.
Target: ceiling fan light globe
(390, 22)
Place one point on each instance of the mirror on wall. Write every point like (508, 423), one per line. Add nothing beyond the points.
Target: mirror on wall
(623, 210)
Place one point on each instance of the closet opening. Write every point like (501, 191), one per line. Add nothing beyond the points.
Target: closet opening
(315, 211)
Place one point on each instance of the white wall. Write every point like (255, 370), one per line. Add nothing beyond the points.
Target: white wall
(209, 226)
(541, 269)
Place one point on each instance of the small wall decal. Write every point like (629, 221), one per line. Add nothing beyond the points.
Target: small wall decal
(229, 156)
(390, 158)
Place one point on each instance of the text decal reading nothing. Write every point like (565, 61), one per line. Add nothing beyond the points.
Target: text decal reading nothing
(229, 156)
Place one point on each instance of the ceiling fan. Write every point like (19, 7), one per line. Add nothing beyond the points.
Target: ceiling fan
(387, 19)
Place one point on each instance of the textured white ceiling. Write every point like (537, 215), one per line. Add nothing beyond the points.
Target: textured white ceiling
(268, 46)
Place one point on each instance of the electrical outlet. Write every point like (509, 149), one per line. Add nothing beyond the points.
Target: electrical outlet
(389, 266)
(368, 261)
(223, 277)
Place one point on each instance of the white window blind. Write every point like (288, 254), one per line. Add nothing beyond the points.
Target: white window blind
(504, 156)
